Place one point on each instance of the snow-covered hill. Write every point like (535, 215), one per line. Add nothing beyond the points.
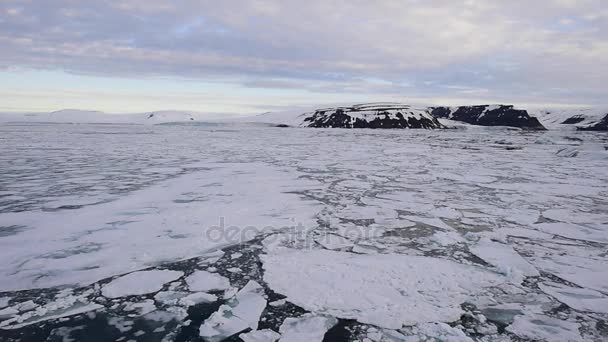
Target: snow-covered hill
(489, 115)
(76, 116)
(370, 115)
(373, 115)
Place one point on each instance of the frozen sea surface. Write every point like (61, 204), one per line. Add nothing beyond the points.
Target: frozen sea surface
(197, 232)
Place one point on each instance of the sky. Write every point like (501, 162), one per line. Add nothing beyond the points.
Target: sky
(258, 55)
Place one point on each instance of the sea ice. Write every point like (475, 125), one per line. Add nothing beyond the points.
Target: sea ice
(384, 290)
(577, 298)
(332, 241)
(139, 283)
(505, 259)
(4, 302)
(544, 328)
(169, 297)
(442, 238)
(306, 328)
(141, 308)
(575, 231)
(65, 308)
(265, 335)
(242, 312)
(197, 298)
(203, 281)
(435, 332)
(158, 223)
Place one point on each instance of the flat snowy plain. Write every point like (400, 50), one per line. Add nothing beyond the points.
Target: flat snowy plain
(205, 232)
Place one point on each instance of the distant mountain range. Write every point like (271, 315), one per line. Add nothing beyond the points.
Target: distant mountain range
(369, 115)
(395, 115)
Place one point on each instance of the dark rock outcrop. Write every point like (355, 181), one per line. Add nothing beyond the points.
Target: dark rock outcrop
(574, 120)
(372, 116)
(485, 115)
(602, 125)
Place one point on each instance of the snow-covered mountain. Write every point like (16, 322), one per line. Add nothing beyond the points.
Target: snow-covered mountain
(489, 115)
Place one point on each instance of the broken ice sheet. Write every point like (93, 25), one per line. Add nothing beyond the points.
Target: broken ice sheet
(434, 332)
(333, 241)
(242, 312)
(574, 231)
(65, 307)
(4, 302)
(579, 264)
(375, 289)
(141, 308)
(577, 298)
(139, 283)
(544, 328)
(505, 259)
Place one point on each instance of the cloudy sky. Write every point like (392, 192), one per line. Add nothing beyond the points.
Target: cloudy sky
(253, 56)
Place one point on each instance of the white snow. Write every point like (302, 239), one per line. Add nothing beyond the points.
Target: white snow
(306, 328)
(203, 281)
(139, 283)
(384, 290)
(242, 312)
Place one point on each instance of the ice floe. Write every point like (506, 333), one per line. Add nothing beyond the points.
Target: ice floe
(545, 328)
(139, 283)
(242, 312)
(265, 335)
(505, 259)
(384, 290)
(306, 328)
(203, 281)
(577, 298)
(4, 302)
(435, 332)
